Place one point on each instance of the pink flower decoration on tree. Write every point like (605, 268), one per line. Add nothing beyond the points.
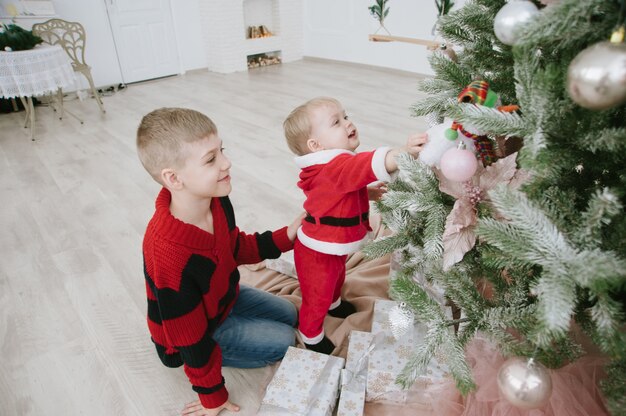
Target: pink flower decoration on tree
(458, 235)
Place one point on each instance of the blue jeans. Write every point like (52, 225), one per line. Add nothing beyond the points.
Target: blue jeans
(258, 329)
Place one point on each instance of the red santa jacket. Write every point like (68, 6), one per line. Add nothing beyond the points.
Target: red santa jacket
(335, 185)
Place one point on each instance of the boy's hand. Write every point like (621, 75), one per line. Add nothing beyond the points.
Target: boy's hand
(292, 229)
(196, 409)
(415, 143)
(376, 191)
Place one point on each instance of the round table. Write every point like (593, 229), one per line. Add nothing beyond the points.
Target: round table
(38, 71)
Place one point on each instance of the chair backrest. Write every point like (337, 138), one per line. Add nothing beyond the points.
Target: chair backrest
(70, 35)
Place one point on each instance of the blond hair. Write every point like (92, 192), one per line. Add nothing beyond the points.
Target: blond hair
(162, 134)
(297, 125)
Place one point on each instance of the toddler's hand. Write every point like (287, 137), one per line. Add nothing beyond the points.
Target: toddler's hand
(376, 191)
(415, 143)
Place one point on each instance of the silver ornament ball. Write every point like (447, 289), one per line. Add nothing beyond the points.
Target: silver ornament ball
(525, 383)
(596, 78)
(401, 319)
(511, 18)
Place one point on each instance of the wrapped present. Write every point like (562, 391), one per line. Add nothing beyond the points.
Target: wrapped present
(285, 264)
(354, 376)
(305, 384)
(391, 353)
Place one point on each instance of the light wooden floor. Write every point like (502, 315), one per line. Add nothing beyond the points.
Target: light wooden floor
(73, 336)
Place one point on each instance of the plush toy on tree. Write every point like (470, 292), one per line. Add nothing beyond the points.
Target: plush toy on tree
(15, 38)
(450, 134)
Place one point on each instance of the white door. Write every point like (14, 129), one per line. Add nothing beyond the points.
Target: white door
(144, 38)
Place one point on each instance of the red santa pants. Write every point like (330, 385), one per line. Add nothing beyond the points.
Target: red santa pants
(321, 276)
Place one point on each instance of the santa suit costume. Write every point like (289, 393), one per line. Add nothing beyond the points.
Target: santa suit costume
(335, 185)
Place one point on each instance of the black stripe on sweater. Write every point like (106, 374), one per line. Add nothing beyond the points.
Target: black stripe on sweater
(230, 294)
(169, 360)
(197, 355)
(267, 248)
(172, 304)
(229, 212)
(208, 390)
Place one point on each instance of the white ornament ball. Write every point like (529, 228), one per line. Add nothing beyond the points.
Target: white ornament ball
(511, 18)
(596, 78)
(458, 165)
(8, 49)
(525, 383)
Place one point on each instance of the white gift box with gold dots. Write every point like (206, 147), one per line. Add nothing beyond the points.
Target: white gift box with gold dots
(391, 354)
(305, 384)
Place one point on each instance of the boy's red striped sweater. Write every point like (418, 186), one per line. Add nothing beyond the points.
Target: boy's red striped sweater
(192, 282)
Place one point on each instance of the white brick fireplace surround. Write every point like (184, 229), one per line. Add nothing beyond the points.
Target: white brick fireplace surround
(224, 26)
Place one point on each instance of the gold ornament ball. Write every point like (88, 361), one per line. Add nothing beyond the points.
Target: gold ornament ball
(596, 78)
(525, 383)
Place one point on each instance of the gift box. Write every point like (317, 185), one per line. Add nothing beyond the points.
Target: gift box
(390, 354)
(354, 376)
(285, 264)
(305, 384)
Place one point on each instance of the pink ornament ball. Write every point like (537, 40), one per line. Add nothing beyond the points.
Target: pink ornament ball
(458, 165)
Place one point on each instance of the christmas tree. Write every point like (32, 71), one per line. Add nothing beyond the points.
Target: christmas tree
(532, 246)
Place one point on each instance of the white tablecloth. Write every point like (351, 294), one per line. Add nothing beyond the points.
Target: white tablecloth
(34, 72)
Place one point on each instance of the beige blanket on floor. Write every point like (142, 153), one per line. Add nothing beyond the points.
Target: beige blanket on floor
(366, 281)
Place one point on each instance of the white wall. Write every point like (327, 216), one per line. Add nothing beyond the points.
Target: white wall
(339, 30)
(188, 27)
(99, 49)
(331, 29)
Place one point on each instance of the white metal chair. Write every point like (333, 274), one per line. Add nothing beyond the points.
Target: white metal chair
(71, 36)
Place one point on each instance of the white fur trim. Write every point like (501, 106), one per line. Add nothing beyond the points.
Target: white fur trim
(437, 145)
(313, 340)
(316, 158)
(378, 164)
(335, 304)
(338, 249)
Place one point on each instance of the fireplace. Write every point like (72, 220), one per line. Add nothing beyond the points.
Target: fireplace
(264, 59)
(227, 34)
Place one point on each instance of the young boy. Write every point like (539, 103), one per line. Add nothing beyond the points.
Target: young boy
(198, 315)
(334, 179)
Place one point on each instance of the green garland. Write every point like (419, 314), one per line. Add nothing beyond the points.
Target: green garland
(15, 38)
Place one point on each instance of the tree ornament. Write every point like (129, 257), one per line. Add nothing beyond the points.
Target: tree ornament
(448, 135)
(511, 18)
(596, 78)
(401, 319)
(525, 383)
(458, 164)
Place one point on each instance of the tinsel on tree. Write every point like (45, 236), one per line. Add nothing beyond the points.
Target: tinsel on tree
(546, 246)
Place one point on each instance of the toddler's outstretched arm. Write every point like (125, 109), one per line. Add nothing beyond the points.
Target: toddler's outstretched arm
(414, 144)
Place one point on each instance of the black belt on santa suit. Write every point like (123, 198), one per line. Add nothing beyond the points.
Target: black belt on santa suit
(338, 222)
